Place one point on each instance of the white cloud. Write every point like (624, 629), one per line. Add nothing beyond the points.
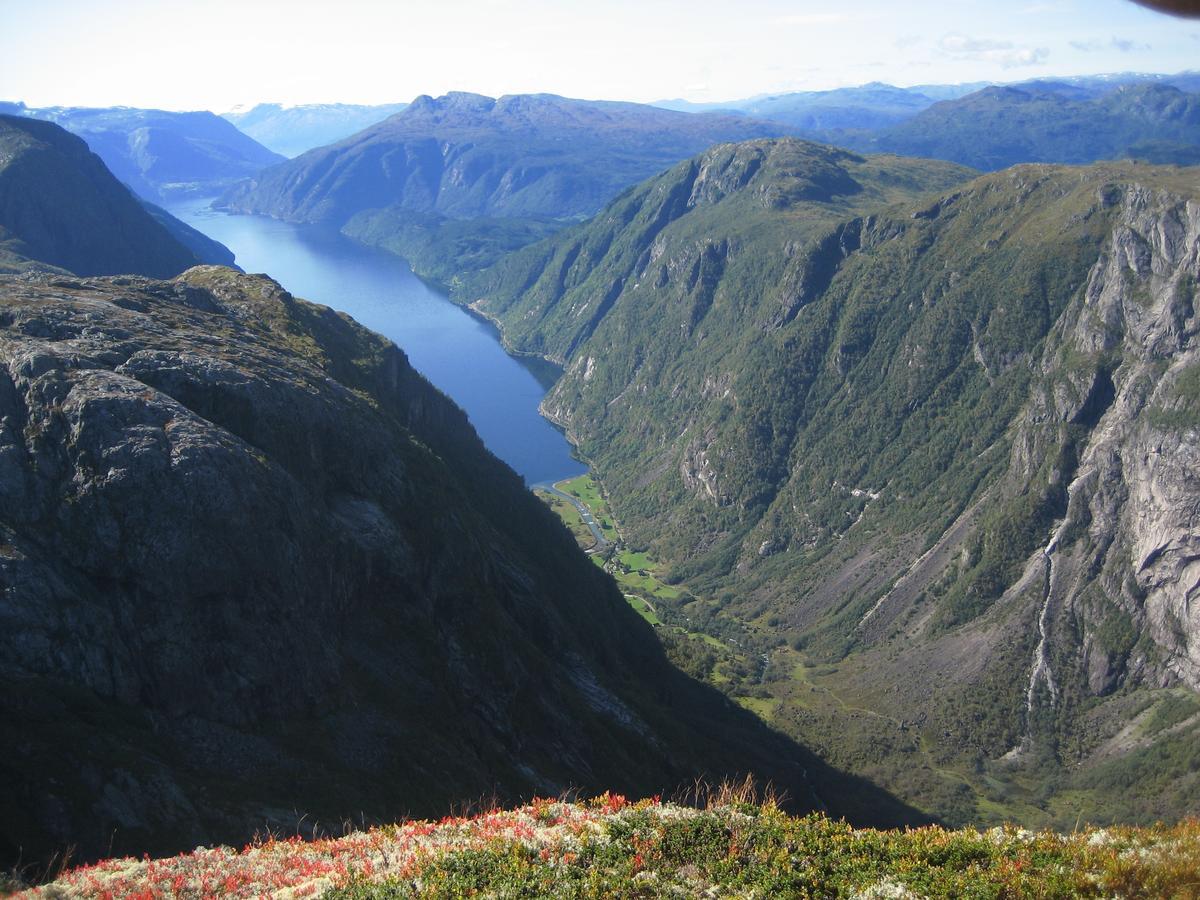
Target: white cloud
(1030, 56)
(960, 43)
(906, 40)
(1002, 53)
(1121, 45)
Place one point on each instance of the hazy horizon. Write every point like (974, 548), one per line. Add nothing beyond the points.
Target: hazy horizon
(250, 104)
(223, 55)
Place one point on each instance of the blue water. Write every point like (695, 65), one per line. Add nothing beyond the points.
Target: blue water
(456, 351)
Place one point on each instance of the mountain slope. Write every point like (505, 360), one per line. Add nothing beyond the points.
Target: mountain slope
(291, 130)
(941, 449)
(161, 154)
(205, 249)
(59, 205)
(256, 569)
(764, 196)
(464, 156)
(1047, 122)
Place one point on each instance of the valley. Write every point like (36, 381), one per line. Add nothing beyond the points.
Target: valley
(786, 688)
(437, 468)
(303, 451)
(821, 702)
(239, 480)
(763, 435)
(817, 678)
(458, 352)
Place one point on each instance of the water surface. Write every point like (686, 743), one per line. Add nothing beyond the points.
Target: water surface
(456, 351)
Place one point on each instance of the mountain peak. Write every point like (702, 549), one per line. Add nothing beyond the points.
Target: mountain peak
(463, 155)
(454, 101)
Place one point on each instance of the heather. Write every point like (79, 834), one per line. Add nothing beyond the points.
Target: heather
(610, 847)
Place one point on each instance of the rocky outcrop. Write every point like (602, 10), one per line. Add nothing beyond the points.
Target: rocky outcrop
(254, 570)
(1124, 368)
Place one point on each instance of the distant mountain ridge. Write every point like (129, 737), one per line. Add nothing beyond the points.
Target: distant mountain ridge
(458, 180)
(465, 155)
(291, 130)
(869, 107)
(60, 206)
(453, 183)
(1049, 121)
(1073, 119)
(161, 154)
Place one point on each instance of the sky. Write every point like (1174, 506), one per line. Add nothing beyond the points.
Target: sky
(218, 54)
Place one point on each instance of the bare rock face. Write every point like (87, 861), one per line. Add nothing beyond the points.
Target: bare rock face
(253, 566)
(1108, 441)
(1137, 505)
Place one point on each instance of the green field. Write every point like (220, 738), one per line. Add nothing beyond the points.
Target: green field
(763, 707)
(708, 639)
(636, 561)
(644, 609)
(646, 583)
(586, 489)
(570, 517)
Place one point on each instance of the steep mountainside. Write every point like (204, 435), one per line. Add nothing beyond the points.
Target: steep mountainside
(761, 197)
(205, 249)
(945, 451)
(291, 130)
(160, 154)
(257, 573)
(464, 156)
(60, 206)
(443, 249)
(1049, 122)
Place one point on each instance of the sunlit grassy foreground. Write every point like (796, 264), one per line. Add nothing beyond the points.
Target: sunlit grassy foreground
(608, 847)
